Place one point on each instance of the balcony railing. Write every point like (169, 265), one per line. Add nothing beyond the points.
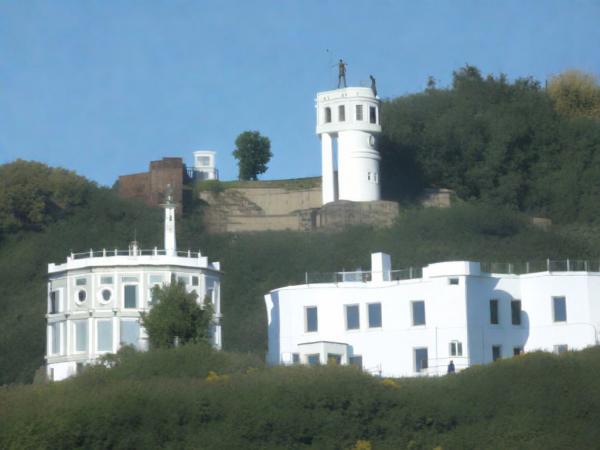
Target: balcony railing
(548, 265)
(362, 276)
(132, 252)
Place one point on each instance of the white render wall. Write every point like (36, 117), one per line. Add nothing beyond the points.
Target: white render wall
(355, 139)
(140, 271)
(453, 312)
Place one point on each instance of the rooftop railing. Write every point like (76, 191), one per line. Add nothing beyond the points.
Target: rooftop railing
(362, 276)
(132, 252)
(547, 265)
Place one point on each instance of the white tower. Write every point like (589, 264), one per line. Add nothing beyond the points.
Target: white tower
(205, 166)
(348, 119)
(169, 205)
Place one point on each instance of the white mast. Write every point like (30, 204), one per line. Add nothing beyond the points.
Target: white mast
(169, 205)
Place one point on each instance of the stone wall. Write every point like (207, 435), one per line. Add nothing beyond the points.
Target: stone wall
(151, 186)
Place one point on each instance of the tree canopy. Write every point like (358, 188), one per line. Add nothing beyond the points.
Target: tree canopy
(253, 152)
(175, 314)
(575, 94)
(494, 141)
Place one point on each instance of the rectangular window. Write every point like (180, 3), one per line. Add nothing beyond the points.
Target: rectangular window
(105, 335)
(81, 281)
(421, 359)
(560, 348)
(183, 279)
(352, 317)
(374, 315)
(334, 358)
(453, 281)
(79, 368)
(341, 113)
(129, 279)
(130, 332)
(517, 351)
(130, 296)
(203, 161)
(494, 312)
(359, 112)
(54, 302)
(156, 279)
(313, 359)
(296, 358)
(418, 312)
(195, 280)
(515, 311)
(356, 360)
(55, 331)
(560, 309)
(81, 335)
(456, 348)
(311, 319)
(496, 352)
(327, 115)
(106, 280)
(372, 114)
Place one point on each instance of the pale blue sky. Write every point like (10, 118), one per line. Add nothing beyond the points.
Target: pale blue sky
(103, 87)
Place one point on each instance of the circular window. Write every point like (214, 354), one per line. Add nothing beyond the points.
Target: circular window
(105, 295)
(81, 295)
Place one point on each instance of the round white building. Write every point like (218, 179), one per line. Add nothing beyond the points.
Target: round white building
(348, 123)
(95, 298)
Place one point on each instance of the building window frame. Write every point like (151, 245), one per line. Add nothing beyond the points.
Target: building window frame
(557, 300)
(496, 352)
(413, 310)
(137, 295)
(516, 312)
(358, 112)
(327, 115)
(356, 326)
(374, 324)
(418, 362)
(308, 327)
(341, 113)
(494, 311)
(455, 348)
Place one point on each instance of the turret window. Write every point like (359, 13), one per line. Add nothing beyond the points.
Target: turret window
(327, 115)
(342, 113)
(359, 112)
(372, 114)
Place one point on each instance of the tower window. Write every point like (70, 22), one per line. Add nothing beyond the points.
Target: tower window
(359, 112)
(372, 114)
(327, 115)
(342, 113)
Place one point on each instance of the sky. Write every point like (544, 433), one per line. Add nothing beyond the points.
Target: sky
(104, 87)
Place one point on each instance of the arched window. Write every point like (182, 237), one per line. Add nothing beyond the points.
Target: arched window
(327, 115)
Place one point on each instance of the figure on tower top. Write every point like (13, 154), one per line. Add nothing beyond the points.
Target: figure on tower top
(373, 85)
(341, 73)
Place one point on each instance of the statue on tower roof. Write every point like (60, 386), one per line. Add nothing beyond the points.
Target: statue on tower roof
(341, 72)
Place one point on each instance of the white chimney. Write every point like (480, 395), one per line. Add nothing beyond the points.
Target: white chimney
(169, 205)
(381, 267)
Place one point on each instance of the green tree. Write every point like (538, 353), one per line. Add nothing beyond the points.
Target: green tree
(253, 152)
(575, 94)
(175, 314)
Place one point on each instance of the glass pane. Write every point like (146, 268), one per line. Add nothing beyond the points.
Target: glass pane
(56, 338)
(130, 332)
(295, 358)
(421, 359)
(515, 307)
(156, 279)
(356, 361)
(105, 337)
(81, 335)
(352, 317)
(129, 279)
(333, 358)
(372, 114)
(374, 315)
(195, 280)
(311, 319)
(81, 281)
(131, 296)
(313, 359)
(560, 309)
(359, 112)
(418, 309)
(106, 280)
(496, 352)
(342, 113)
(494, 312)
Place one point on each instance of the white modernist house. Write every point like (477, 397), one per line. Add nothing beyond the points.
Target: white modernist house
(409, 323)
(348, 123)
(95, 298)
(205, 167)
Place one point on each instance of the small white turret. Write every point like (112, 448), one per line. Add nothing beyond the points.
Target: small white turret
(169, 205)
(348, 119)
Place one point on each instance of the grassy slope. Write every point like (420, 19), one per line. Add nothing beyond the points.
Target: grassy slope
(254, 263)
(532, 401)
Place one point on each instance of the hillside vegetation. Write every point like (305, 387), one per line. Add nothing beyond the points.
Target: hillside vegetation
(193, 397)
